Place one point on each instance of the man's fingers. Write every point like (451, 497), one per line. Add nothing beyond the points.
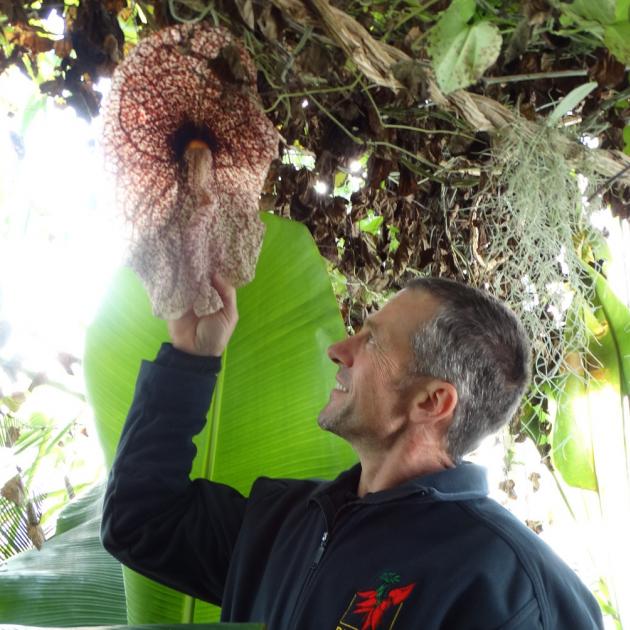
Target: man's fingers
(227, 293)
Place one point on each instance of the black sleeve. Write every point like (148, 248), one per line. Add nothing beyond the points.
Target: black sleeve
(155, 519)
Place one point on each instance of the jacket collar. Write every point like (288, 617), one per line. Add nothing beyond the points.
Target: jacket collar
(464, 481)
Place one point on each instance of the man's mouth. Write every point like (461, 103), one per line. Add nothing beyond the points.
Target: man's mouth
(340, 388)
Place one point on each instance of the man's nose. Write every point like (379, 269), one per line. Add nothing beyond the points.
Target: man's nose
(341, 352)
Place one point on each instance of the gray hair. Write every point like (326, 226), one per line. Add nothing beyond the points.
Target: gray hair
(476, 343)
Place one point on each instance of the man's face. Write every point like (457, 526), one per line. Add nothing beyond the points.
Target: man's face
(368, 402)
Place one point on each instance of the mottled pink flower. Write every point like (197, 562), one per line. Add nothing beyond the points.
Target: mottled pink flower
(189, 147)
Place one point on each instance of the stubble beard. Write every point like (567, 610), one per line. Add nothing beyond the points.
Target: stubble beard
(336, 420)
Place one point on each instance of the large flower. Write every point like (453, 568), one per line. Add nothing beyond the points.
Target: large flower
(189, 147)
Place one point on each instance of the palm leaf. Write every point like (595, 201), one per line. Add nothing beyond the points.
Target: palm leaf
(14, 525)
(274, 380)
(72, 581)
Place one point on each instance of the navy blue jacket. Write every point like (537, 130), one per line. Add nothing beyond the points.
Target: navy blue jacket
(433, 553)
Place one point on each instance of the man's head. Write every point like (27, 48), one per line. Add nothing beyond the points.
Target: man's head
(441, 356)
(476, 343)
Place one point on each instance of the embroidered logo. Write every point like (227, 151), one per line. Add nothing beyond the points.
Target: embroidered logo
(378, 608)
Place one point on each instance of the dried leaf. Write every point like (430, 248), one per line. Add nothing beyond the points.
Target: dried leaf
(373, 58)
(13, 435)
(535, 526)
(246, 9)
(115, 6)
(508, 486)
(13, 490)
(337, 209)
(411, 74)
(63, 47)
(26, 37)
(269, 23)
(408, 183)
(536, 11)
(518, 42)
(229, 67)
(535, 479)
(528, 111)
(36, 534)
(378, 170)
(111, 48)
(411, 37)
(607, 71)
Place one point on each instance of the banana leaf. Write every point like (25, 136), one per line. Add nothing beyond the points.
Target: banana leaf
(611, 440)
(170, 626)
(591, 437)
(617, 316)
(592, 402)
(571, 438)
(72, 581)
(275, 378)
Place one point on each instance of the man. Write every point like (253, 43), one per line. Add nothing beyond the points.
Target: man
(406, 539)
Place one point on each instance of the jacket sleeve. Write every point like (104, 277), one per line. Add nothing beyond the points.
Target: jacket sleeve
(155, 519)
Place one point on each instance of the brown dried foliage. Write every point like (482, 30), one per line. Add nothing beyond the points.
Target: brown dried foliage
(423, 182)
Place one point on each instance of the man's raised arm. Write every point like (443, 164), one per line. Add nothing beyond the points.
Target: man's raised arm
(155, 520)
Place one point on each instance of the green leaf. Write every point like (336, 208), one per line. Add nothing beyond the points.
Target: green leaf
(82, 509)
(612, 432)
(155, 626)
(394, 243)
(626, 139)
(602, 11)
(570, 102)
(340, 179)
(534, 419)
(275, 378)
(590, 424)
(617, 317)
(72, 581)
(622, 11)
(129, 28)
(36, 103)
(571, 438)
(462, 52)
(617, 40)
(338, 280)
(371, 224)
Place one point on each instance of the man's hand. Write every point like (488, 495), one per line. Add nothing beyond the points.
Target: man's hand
(208, 335)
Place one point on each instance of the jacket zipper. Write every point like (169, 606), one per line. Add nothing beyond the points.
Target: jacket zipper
(309, 576)
(318, 556)
(320, 551)
(316, 560)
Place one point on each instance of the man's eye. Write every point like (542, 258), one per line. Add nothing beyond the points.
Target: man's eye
(370, 339)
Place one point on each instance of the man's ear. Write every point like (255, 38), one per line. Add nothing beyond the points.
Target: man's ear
(435, 402)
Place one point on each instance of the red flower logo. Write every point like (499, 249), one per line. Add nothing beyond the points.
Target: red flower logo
(374, 604)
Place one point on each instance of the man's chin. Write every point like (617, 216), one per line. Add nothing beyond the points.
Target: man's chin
(325, 417)
(323, 421)
(330, 420)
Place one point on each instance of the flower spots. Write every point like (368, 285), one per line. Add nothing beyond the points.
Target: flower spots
(189, 148)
